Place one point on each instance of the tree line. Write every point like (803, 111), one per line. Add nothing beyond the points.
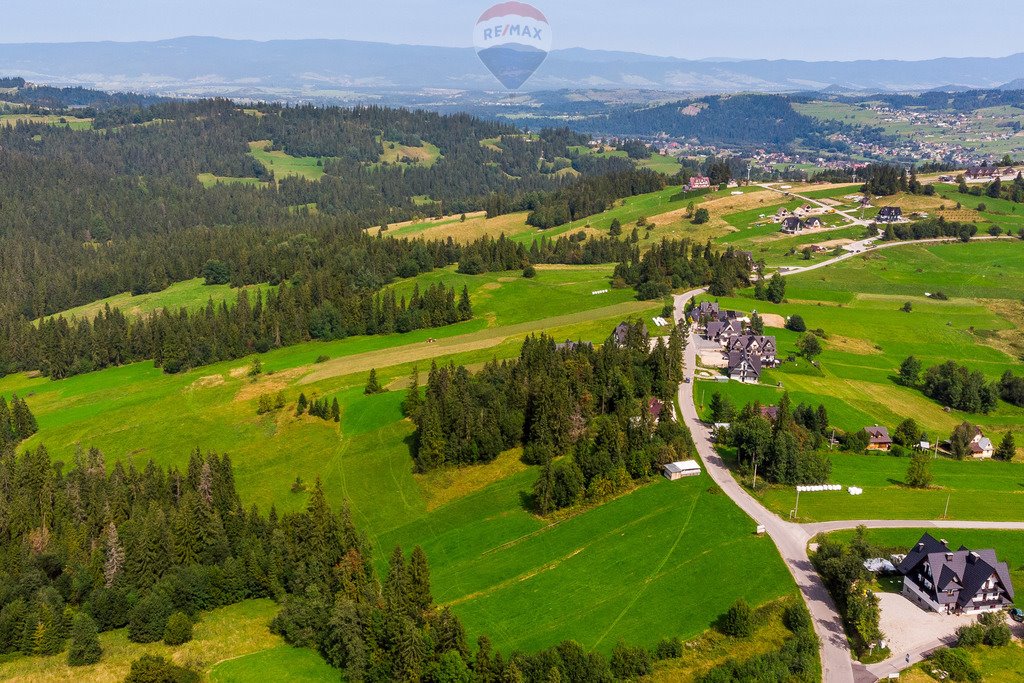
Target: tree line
(321, 308)
(673, 264)
(592, 195)
(932, 228)
(592, 405)
(17, 422)
(955, 385)
(85, 549)
(783, 445)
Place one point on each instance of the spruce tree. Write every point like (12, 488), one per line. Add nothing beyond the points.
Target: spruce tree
(419, 582)
(465, 308)
(372, 385)
(6, 423)
(302, 404)
(114, 561)
(178, 630)
(24, 422)
(85, 643)
(413, 399)
(1007, 448)
(335, 410)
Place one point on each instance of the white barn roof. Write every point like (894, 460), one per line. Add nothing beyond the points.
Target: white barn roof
(684, 466)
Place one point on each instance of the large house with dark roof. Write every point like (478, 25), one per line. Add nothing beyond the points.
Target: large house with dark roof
(745, 366)
(889, 214)
(948, 582)
(792, 225)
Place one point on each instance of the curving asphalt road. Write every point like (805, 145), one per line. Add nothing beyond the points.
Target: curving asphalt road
(792, 539)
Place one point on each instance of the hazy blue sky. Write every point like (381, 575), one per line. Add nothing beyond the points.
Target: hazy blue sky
(797, 29)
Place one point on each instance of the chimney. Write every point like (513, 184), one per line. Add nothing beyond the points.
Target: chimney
(949, 557)
(973, 557)
(920, 546)
(944, 542)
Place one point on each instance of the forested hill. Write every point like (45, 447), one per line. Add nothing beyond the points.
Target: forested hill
(738, 120)
(17, 91)
(114, 203)
(128, 186)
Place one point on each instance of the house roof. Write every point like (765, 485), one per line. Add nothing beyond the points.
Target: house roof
(981, 446)
(683, 466)
(770, 412)
(964, 572)
(792, 223)
(878, 435)
(655, 408)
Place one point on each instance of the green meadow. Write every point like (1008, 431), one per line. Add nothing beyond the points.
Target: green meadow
(656, 162)
(211, 180)
(190, 294)
(221, 635)
(425, 155)
(981, 270)
(977, 491)
(528, 582)
(858, 305)
(72, 122)
(281, 663)
(283, 164)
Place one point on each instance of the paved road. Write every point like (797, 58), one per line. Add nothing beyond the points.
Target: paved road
(791, 539)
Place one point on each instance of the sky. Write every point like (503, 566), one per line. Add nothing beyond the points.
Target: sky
(769, 29)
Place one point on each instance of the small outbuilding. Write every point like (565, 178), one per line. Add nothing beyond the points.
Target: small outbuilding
(678, 470)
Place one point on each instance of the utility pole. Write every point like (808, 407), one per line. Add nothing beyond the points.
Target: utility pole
(796, 508)
(833, 439)
(754, 485)
(945, 513)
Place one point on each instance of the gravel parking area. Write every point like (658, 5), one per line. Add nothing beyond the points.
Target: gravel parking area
(909, 628)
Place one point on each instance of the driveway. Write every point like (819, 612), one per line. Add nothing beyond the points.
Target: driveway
(914, 631)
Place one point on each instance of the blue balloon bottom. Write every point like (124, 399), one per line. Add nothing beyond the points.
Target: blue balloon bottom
(512, 65)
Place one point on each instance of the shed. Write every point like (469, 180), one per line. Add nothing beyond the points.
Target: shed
(678, 470)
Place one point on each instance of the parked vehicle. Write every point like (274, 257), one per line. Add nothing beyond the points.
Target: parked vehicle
(1017, 615)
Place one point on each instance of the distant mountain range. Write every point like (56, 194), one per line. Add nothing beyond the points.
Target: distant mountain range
(345, 69)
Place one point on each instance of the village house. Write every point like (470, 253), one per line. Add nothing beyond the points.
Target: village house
(569, 345)
(622, 332)
(878, 438)
(706, 310)
(984, 173)
(656, 409)
(889, 214)
(961, 582)
(765, 347)
(812, 223)
(745, 367)
(792, 225)
(770, 413)
(722, 331)
(981, 446)
(699, 182)
(678, 470)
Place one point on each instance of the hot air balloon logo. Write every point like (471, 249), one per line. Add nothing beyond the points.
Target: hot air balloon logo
(512, 39)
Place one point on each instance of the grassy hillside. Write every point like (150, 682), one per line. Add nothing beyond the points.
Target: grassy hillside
(220, 635)
(858, 304)
(190, 294)
(596, 577)
(283, 164)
